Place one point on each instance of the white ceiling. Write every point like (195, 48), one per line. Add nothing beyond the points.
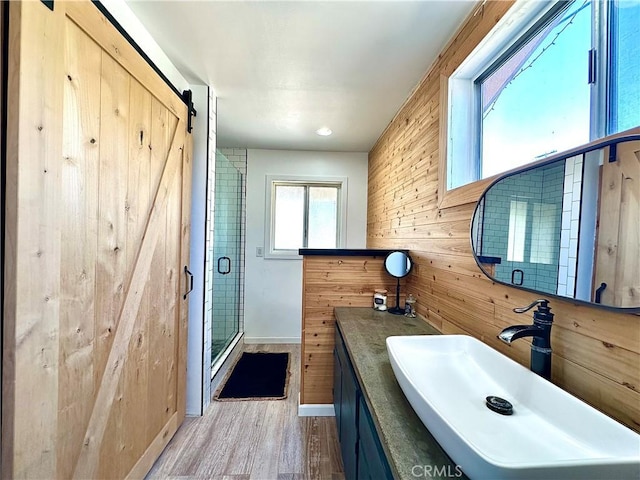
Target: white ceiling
(282, 70)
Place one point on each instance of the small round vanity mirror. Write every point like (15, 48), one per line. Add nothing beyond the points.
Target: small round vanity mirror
(398, 264)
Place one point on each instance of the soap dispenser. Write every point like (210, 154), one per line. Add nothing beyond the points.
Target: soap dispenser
(409, 309)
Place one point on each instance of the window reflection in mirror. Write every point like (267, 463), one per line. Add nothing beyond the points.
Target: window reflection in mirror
(568, 227)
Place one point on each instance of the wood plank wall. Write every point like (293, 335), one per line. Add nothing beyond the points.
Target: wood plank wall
(330, 282)
(596, 353)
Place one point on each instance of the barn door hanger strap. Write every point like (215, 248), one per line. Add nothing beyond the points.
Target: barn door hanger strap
(613, 153)
(187, 96)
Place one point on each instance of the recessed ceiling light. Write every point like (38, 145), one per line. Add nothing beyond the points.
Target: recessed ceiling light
(324, 131)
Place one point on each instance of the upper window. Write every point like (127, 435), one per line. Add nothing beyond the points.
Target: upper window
(304, 214)
(553, 76)
(624, 92)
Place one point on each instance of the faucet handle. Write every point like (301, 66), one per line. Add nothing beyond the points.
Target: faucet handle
(544, 305)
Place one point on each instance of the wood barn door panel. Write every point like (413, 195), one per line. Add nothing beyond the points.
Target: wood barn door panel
(32, 249)
(138, 207)
(95, 322)
(618, 247)
(79, 231)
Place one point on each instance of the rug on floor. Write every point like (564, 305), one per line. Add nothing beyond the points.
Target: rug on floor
(257, 376)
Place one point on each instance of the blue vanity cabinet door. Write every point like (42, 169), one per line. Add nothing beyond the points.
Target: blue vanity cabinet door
(372, 463)
(348, 411)
(337, 389)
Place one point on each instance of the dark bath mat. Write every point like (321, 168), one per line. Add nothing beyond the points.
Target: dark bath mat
(257, 376)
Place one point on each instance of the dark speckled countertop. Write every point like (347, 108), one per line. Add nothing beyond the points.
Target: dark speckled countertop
(409, 446)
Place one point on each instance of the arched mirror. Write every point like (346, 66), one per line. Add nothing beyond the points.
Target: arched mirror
(398, 264)
(568, 226)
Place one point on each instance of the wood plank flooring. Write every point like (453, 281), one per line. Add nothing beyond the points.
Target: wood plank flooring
(247, 440)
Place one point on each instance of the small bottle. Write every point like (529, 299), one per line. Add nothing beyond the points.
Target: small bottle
(380, 300)
(409, 309)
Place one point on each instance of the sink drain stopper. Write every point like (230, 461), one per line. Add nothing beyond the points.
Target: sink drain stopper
(499, 405)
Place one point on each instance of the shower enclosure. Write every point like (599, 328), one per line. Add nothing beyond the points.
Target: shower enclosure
(227, 256)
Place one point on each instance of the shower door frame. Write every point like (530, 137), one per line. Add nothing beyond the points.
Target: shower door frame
(216, 361)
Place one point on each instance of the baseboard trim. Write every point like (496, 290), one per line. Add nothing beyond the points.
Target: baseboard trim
(254, 340)
(316, 410)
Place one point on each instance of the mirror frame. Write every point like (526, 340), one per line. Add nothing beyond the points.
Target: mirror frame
(611, 140)
(406, 253)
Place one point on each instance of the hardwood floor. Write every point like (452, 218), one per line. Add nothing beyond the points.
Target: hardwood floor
(263, 440)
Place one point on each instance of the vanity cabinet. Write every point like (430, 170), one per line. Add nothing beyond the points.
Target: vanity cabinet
(362, 453)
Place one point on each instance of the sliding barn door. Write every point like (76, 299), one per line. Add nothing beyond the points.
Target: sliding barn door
(98, 189)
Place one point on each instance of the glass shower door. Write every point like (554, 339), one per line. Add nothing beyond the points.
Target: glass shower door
(227, 244)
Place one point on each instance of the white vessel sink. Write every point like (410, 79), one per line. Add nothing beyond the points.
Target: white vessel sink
(550, 435)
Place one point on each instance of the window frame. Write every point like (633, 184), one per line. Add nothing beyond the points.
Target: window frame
(460, 85)
(514, 26)
(539, 22)
(272, 181)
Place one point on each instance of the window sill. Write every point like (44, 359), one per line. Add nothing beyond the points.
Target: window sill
(472, 192)
(463, 195)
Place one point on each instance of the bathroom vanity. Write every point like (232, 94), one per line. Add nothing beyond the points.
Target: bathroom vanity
(380, 434)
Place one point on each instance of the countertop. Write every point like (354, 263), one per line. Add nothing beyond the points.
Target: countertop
(346, 252)
(409, 446)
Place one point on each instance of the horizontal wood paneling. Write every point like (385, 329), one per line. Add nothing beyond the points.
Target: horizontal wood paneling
(330, 282)
(596, 353)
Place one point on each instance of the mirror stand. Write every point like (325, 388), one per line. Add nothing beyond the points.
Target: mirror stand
(397, 310)
(398, 264)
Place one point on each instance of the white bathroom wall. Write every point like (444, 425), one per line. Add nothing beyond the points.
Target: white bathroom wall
(132, 25)
(273, 287)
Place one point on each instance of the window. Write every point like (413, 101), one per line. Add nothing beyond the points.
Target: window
(550, 77)
(304, 213)
(517, 231)
(533, 226)
(544, 233)
(625, 66)
(518, 94)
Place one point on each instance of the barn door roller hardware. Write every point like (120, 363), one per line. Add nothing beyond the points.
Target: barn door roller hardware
(187, 96)
(613, 153)
(48, 3)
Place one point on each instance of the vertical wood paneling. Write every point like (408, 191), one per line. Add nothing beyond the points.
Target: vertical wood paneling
(138, 206)
(330, 282)
(158, 307)
(183, 286)
(80, 177)
(172, 284)
(10, 186)
(596, 352)
(93, 200)
(618, 239)
(32, 255)
(112, 269)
